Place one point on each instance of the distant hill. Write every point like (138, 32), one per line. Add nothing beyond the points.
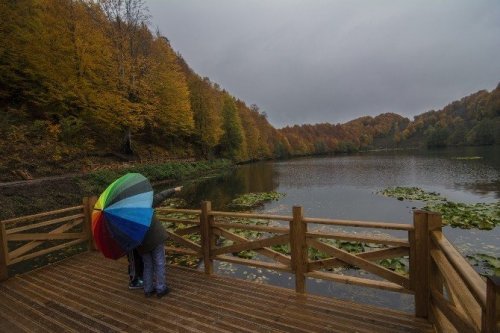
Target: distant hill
(473, 120)
(85, 83)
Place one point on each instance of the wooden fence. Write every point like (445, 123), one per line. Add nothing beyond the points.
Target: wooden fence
(446, 288)
(32, 236)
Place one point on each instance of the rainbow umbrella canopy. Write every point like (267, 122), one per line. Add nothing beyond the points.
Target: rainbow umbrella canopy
(122, 215)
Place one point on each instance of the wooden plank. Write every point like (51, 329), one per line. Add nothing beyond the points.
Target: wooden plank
(257, 244)
(4, 254)
(358, 238)
(363, 224)
(30, 218)
(175, 210)
(30, 307)
(355, 315)
(62, 290)
(254, 263)
(185, 242)
(253, 216)
(361, 263)
(46, 236)
(239, 226)
(451, 296)
(298, 245)
(188, 312)
(46, 223)
(452, 314)
(31, 245)
(491, 313)
(183, 251)
(56, 314)
(420, 274)
(471, 278)
(281, 295)
(281, 258)
(88, 208)
(440, 321)
(435, 279)
(178, 221)
(42, 252)
(171, 322)
(206, 236)
(392, 252)
(360, 312)
(188, 231)
(9, 324)
(412, 259)
(383, 285)
(457, 288)
(25, 318)
(187, 299)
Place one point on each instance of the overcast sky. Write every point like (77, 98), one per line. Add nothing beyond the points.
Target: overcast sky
(316, 61)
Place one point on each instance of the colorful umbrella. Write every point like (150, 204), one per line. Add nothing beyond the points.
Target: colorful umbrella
(122, 215)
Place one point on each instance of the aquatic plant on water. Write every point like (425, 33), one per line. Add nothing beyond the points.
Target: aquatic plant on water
(466, 158)
(484, 216)
(487, 265)
(411, 193)
(251, 200)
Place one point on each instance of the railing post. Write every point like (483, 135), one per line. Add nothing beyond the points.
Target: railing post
(491, 314)
(88, 207)
(4, 254)
(298, 247)
(206, 235)
(419, 263)
(434, 223)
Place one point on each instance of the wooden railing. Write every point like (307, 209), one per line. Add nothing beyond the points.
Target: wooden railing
(298, 237)
(300, 240)
(447, 290)
(28, 237)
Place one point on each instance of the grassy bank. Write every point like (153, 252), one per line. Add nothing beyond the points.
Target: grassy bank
(28, 198)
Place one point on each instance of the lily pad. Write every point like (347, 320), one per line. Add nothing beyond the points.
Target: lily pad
(486, 264)
(411, 193)
(251, 200)
(484, 216)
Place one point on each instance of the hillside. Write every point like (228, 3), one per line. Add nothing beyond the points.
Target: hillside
(87, 83)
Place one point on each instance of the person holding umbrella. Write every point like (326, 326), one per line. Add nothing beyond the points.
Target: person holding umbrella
(135, 263)
(152, 252)
(123, 219)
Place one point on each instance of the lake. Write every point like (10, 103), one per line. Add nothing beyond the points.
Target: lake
(346, 187)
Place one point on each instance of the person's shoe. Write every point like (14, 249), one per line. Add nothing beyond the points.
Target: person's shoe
(136, 284)
(148, 294)
(162, 293)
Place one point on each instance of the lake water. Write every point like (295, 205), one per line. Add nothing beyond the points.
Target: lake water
(346, 187)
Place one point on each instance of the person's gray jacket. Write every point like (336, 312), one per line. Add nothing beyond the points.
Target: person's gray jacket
(160, 197)
(155, 236)
(156, 233)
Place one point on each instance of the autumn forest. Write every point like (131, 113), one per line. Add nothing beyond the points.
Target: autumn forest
(85, 82)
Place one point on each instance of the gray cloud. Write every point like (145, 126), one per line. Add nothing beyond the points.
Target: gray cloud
(332, 61)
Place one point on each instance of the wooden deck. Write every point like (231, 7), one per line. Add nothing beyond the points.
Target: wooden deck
(88, 293)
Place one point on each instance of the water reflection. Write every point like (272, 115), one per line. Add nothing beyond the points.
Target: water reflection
(222, 188)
